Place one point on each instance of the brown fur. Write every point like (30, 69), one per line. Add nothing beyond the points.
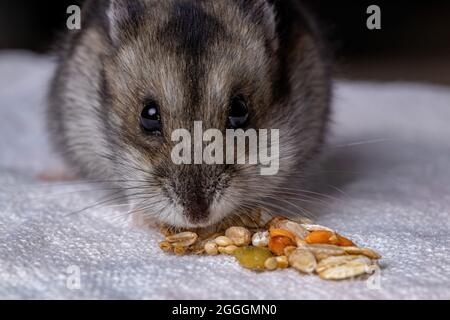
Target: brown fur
(191, 57)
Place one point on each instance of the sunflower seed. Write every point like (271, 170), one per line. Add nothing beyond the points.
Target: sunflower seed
(303, 260)
(347, 270)
(183, 239)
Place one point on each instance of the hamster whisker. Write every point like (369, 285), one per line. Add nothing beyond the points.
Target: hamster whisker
(309, 192)
(104, 202)
(339, 190)
(284, 210)
(272, 205)
(245, 210)
(69, 193)
(317, 172)
(289, 203)
(66, 184)
(300, 196)
(301, 192)
(359, 143)
(117, 205)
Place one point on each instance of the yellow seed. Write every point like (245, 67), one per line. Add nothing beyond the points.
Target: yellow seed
(228, 249)
(321, 237)
(282, 262)
(183, 239)
(179, 250)
(271, 264)
(165, 246)
(252, 257)
(223, 241)
(239, 235)
(211, 248)
(278, 243)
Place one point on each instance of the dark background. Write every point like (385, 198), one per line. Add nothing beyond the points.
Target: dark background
(414, 43)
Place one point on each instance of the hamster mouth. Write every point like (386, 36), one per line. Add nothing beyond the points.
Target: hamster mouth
(216, 212)
(191, 218)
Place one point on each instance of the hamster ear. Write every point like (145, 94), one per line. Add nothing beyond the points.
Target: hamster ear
(264, 13)
(123, 15)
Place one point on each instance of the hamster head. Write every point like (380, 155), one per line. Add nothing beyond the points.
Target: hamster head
(172, 63)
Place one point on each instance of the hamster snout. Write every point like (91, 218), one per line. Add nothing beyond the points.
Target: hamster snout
(142, 70)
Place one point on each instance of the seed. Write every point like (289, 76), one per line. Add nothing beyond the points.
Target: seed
(223, 241)
(303, 260)
(239, 235)
(198, 248)
(322, 251)
(321, 236)
(165, 246)
(230, 249)
(261, 239)
(179, 250)
(288, 250)
(271, 264)
(293, 227)
(282, 262)
(328, 237)
(349, 269)
(332, 262)
(362, 251)
(227, 250)
(278, 243)
(300, 242)
(252, 257)
(315, 227)
(275, 232)
(183, 239)
(280, 239)
(334, 239)
(211, 248)
(344, 242)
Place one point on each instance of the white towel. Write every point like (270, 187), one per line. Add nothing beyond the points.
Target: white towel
(392, 194)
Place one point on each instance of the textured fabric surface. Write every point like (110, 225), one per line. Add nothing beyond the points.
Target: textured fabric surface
(390, 192)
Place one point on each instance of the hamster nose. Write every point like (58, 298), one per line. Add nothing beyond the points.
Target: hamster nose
(197, 210)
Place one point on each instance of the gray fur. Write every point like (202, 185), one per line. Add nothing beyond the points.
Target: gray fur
(191, 56)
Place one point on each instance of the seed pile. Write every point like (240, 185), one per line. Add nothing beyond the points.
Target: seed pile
(279, 243)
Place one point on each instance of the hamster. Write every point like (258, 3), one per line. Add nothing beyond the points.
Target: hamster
(140, 69)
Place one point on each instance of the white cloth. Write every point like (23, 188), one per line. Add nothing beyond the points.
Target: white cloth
(394, 196)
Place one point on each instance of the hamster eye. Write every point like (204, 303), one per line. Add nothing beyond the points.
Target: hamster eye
(238, 113)
(151, 118)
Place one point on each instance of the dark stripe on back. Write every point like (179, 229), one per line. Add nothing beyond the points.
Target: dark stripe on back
(189, 33)
(191, 29)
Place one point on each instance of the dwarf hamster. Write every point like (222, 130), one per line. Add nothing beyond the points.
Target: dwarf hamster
(139, 69)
